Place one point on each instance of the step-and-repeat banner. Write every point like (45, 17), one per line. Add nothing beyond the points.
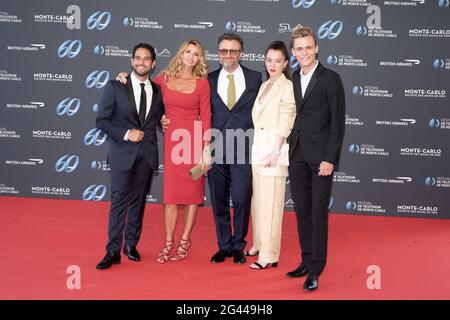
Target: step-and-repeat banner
(393, 57)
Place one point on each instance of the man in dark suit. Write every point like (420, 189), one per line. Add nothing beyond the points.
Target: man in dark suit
(315, 143)
(128, 114)
(233, 91)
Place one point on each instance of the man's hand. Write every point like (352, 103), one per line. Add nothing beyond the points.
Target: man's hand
(206, 159)
(122, 77)
(164, 122)
(325, 169)
(135, 135)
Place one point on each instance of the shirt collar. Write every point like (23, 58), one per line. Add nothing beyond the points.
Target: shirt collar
(238, 70)
(310, 73)
(135, 81)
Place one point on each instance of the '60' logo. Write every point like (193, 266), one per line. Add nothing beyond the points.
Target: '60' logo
(95, 136)
(67, 163)
(94, 192)
(69, 49)
(68, 107)
(302, 3)
(330, 29)
(99, 20)
(97, 79)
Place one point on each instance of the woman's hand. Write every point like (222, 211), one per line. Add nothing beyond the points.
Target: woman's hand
(271, 160)
(122, 77)
(164, 122)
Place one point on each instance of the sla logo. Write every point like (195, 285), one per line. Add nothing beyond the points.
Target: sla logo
(128, 22)
(94, 192)
(230, 26)
(97, 79)
(357, 90)
(443, 3)
(95, 137)
(99, 20)
(69, 49)
(164, 53)
(67, 163)
(361, 31)
(438, 63)
(430, 181)
(353, 148)
(330, 29)
(99, 50)
(68, 107)
(286, 27)
(332, 59)
(434, 123)
(350, 205)
(302, 3)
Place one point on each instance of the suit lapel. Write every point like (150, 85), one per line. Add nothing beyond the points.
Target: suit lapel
(273, 91)
(247, 87)
(297, 90)
(214, 77)
(153, 106)
(311, 85)
(130, 95)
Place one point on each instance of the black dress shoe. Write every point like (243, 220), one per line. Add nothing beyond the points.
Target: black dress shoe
(132, 253)
(299, 272)
(110, 259)
(220, 256)
(311, 283)
(239, 257)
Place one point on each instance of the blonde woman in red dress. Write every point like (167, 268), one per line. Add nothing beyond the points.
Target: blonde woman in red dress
(186, 97)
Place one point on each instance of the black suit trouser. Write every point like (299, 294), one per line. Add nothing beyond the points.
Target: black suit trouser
(129, 190)
(311, 196)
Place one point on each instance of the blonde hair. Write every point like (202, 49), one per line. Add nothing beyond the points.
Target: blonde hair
(199, 71)
(302, 32)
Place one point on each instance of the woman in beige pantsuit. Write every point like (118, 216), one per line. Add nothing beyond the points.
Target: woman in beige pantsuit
(273, 116)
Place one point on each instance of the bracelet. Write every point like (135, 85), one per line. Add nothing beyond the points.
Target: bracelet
(277, 153)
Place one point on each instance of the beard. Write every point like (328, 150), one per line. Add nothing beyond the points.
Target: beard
(141, 73)
(227, 64)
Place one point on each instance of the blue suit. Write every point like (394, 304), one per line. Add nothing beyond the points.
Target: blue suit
(231, 172)
(132, 164)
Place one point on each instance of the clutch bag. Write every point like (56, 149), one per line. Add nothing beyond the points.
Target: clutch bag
(196, 171)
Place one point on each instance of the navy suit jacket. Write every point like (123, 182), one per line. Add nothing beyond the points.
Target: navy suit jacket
(117, 113)
(319, 126)
(240, 116)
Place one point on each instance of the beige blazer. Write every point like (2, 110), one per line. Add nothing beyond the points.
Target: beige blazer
(272, 116)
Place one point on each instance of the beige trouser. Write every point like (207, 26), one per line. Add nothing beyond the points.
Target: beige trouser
(267, 215)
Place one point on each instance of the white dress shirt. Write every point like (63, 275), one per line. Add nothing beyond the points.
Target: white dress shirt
(305, 78)
(136, 84)
(239, 82)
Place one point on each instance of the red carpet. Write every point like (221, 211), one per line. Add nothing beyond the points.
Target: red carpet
(41, 238)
